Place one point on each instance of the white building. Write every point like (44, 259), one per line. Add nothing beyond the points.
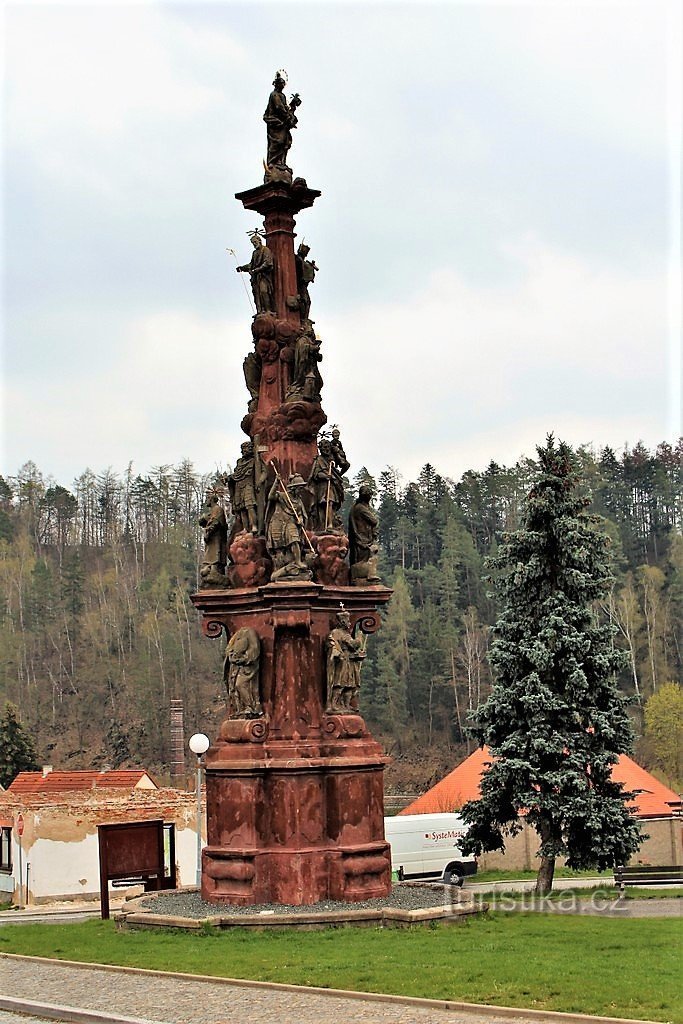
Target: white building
(56, 855)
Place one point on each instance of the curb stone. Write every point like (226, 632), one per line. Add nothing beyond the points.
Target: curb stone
(70, 1013)
(138, 916)
(483, 1009)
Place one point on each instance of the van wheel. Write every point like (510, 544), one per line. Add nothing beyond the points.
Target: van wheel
(453, 875)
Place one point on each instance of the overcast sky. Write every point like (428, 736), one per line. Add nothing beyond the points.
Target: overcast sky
(497, 235)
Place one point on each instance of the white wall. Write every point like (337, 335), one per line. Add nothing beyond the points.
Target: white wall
(72, 869)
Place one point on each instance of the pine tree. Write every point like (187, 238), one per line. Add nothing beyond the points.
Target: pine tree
(17, 753)
(555, 721)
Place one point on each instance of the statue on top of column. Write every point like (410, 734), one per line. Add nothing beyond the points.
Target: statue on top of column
(280, 118)
(261, 270)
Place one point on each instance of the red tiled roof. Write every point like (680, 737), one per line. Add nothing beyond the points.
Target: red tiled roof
(59, 782)
(462, 784)
(655, 798)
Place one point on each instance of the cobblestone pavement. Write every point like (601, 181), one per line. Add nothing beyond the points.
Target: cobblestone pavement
(183, 1001)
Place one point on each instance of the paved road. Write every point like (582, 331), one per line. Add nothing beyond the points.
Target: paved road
(182, 1001)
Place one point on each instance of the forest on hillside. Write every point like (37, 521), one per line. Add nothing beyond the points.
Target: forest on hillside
(97, 632)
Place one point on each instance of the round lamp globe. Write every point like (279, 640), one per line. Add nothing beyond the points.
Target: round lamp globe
(199, 743)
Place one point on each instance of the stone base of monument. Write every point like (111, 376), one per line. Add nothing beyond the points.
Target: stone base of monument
(295, 804)
(405, 905)
(296, 829)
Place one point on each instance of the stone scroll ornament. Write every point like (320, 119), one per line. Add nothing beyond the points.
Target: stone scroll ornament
(214, 523)
(363, 543)
(241, 674)
(280, 117)
(261, 270)
(345, 656)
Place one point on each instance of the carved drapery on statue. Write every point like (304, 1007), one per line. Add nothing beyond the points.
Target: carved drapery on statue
(286, 537)
(261, 273)
(363, 543)
(213, 520)
(326, 489)
(280, 118)
(306, 381)
(246, 486)
(241, 674)
(345, 655)
(305, 275)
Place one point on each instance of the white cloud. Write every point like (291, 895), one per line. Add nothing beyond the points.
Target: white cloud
(456, 374)
(96, 72)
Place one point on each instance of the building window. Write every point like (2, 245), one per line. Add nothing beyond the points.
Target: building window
(5, 848)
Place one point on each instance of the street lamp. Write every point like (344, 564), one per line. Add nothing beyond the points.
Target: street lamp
(199, 744)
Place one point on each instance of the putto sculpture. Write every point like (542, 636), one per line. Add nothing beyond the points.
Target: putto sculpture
(294, 788)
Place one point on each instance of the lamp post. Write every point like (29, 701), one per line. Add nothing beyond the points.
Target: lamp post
(199, 744)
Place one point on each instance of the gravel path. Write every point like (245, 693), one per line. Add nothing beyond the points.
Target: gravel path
(183, 1001)
(603, 908)
(405, 897)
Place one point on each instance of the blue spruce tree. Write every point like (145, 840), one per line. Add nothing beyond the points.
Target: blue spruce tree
(555, 722)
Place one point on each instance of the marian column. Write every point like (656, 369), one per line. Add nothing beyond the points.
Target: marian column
(294, 782)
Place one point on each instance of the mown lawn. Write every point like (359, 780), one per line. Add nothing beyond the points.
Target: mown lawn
(628, 968)
(495, 875)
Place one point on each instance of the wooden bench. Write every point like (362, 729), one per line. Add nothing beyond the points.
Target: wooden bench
(645, 874)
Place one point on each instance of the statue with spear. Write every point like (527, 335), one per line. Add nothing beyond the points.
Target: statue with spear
(286, 530)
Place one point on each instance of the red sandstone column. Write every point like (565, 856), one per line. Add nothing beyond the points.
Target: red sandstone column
(279, 225)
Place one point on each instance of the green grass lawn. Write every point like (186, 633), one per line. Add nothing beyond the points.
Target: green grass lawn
(495, 875)
(628, 968)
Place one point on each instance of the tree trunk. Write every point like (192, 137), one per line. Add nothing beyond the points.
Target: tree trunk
(544, 879)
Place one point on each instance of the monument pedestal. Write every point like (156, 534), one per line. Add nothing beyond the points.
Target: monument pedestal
(295, 800)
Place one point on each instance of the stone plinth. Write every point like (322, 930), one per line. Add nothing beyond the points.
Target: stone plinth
(295, 806)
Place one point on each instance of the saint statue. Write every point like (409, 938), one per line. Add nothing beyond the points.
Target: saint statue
(242, 488)
(261, 270)
(344, 659)
(363, 544)
(212, 518)
(280, 118)
(326, 488)
(306, 380)
(305, 275)
(240, 672)
(286, 531)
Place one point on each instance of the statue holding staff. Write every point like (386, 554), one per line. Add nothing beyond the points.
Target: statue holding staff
(286, 531)
(345, 655)
(261, 270)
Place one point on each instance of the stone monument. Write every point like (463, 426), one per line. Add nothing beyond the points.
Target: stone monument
(294, 781)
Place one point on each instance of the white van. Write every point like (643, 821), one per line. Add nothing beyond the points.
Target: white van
(426, 846)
